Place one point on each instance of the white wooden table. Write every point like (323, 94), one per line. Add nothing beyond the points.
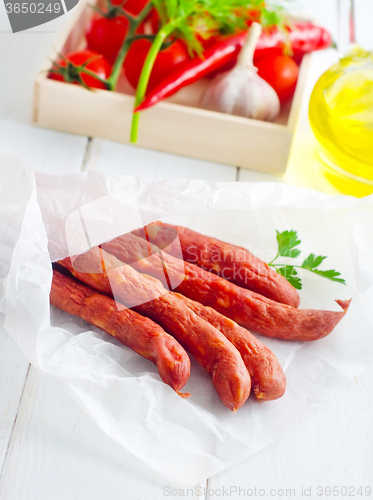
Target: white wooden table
(49, 449)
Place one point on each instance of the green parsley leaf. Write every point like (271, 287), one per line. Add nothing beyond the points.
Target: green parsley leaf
(290, 273)
(287, 240)
(312, 261)
(330, 275)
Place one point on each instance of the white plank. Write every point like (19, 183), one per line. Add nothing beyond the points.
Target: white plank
(58, 453)
(13, 371)
(20, 58)
(332, 447)
(44, 150)
(113, 157)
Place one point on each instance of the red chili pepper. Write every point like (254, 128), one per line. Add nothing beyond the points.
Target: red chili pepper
(306, 37)
(222, 55)
(193, 69)
(303, 38)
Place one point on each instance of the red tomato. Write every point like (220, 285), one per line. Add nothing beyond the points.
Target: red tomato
(98, 65)
(105, 35)
(166, 61)
(134, 7)
(154, 21)
(281, 72)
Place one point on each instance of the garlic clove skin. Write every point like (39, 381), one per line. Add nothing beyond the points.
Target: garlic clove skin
(242, 92)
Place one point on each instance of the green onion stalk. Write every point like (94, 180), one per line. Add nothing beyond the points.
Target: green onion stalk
(142, 85)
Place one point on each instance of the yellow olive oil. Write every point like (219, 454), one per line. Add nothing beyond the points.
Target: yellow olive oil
(341, 116)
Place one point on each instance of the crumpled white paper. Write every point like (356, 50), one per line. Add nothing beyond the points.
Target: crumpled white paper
(184, 440)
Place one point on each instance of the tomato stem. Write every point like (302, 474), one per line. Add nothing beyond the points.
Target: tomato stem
(127, 42)
(93, 75)
(141, 36)
(72, 73)
(117, 67)
(131, 19)
(142, 85)
(112, 11)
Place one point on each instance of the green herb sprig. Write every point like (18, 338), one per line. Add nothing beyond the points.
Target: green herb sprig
(287, 242)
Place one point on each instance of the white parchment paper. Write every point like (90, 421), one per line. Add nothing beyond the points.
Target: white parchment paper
(184, 440)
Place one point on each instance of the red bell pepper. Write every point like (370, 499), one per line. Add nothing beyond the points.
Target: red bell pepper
(222, 55)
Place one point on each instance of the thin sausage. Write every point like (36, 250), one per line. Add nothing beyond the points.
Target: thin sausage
(268, 380)
(233, 263)
(140, 334)
(248, 309)
(147, 296)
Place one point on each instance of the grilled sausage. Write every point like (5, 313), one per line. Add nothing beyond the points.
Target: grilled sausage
(233, 263)
(147, 296)
(248, 309)
(140, 334)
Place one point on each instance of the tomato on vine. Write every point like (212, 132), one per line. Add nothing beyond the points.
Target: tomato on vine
(105, 35)
(85, 67)
(107, 29)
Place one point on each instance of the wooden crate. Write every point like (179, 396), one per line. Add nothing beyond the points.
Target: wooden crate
(175, 125)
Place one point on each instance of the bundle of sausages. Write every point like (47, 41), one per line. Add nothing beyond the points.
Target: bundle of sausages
(136, 289)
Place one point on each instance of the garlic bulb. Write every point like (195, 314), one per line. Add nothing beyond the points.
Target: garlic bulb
(241, 91)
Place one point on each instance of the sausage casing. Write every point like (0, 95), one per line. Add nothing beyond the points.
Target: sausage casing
(148, 297)
(248, 309)
(233, 263)
(133, 330)
(268, 380)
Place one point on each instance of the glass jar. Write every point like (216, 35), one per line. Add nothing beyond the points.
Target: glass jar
(341, 116)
